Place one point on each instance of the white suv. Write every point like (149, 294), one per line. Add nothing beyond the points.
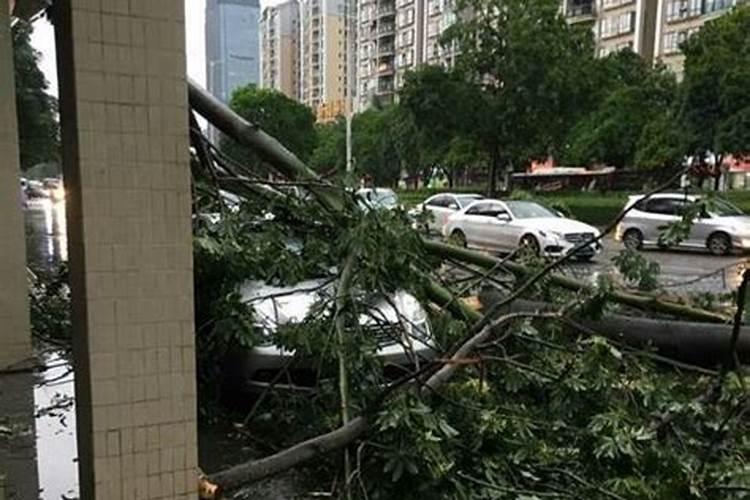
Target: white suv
(721, 228)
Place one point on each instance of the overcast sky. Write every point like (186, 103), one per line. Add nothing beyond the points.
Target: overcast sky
(43, 39)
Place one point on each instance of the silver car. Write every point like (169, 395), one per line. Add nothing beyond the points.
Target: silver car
(377, 198)
(399, 326)
(720, 229)
(505, 226)
(440, 207)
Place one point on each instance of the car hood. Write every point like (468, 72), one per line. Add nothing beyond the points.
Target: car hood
(557, 224)
(279, 305)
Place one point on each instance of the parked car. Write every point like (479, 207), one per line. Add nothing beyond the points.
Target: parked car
(441, 206)
(505, 226)
(399, 325)
(720, 228)
(378, 198)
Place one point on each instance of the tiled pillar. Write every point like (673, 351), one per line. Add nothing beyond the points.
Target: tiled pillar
(18, 477)
(125, 154)
(14, 308)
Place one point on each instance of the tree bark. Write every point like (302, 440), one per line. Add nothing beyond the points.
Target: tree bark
(692, 342)
(492, 177)
(643, 302)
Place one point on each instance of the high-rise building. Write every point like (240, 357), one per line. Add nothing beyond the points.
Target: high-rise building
(439, 15)
(617, 24)
(232, 45)
(396, 36)
(324, 55)
(377, 46)
(280, 48)
(679, 19)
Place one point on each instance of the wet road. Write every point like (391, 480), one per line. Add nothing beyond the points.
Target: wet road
(53, 415)
(680, 270)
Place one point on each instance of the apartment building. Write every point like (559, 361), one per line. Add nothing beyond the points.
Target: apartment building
(617, 24)
(439, 15)
(396, 36)
(279, 41)
(679, 19)
(324, 54)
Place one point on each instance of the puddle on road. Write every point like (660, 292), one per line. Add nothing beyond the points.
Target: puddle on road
(54, 409)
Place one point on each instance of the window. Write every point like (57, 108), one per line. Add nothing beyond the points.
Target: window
(439, 201)
(714, 5)
(662, 206)
(618, 25)
(683, 9)
(487, 209)
(407, 37)
(671, 41)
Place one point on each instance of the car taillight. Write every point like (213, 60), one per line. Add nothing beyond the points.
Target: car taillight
(618, 232)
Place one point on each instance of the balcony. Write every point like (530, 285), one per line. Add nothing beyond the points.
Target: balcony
(387, 49)
(581, 12)
(386, 11)
(386, 29)
(385, 69)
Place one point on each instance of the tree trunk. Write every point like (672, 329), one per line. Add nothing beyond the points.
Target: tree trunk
(639, 301)
(692, 342)
(492, 177)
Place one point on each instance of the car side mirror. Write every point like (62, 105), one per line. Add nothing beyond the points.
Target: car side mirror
(453, 206)
(503, 217)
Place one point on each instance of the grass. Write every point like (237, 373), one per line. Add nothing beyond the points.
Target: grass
(595, 208)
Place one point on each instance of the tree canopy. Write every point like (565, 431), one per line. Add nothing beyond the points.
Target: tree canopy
(289, 121)
(38, 130)
(527, 60)
(715, 102)
(636, 95)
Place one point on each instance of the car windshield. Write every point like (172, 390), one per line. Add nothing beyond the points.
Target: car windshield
(721, 208)
(384, 198)
(529, 210)
(465, 199)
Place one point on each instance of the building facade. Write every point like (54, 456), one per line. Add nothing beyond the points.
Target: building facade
(280, 48)
(679, 19)
(232, 45)
(617, 24)
(324, 54)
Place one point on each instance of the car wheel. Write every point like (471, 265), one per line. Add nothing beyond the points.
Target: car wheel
(529, 246)
(719, 244)
(458, 238)
(633, 239)
(585, 258)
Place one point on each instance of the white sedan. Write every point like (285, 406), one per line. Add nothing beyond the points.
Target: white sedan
(504, 226)
(441, 206)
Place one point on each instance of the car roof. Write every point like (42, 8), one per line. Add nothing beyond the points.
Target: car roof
(457, 195)
(665, 195)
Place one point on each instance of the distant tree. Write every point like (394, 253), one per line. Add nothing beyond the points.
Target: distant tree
(442, 105)
(532, 67)
(374, 145)
(715, 100)
(290, 122)
(660, 143)
(329, 154)
(611, 133)
(38, 129)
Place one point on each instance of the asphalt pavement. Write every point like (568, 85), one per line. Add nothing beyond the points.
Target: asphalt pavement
(680, 270)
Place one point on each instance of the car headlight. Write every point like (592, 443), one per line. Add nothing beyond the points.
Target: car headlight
(551, 234)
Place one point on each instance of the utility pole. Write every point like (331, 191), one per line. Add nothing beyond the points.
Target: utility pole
(350, 75)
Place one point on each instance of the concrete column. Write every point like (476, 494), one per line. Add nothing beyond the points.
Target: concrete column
(125, 157)
(15, 342)
(18, 476)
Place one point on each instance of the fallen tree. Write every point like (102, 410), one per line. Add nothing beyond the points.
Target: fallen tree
(543, 412)
(692, 342)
